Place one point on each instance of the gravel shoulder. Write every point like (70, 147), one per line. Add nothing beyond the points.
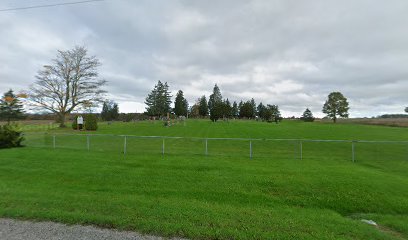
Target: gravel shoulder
(11, 229)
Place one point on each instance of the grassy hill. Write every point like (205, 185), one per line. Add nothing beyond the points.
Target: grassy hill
(224, 195)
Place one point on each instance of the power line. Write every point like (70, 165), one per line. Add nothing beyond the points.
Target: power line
(48, 5)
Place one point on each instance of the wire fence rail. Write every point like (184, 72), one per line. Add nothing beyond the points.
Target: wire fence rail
(250, 147)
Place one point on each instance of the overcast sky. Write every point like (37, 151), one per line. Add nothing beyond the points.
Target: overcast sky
(290, 53)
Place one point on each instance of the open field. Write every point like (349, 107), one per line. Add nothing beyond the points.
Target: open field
(220, 196)
(391, 122)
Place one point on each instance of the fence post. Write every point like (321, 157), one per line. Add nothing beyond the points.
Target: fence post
(250, 149)
(352, 151)
(301, 149)
(206, 147)
(87, 142)
(125, 146)
(53, 141)
(163, 147)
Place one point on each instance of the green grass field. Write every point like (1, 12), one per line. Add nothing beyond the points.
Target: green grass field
(224, 195)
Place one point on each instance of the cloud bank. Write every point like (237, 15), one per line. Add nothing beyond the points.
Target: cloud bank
(286, 52)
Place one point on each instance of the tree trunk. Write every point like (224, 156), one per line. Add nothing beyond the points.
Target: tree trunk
(334, 120)
(61, 120)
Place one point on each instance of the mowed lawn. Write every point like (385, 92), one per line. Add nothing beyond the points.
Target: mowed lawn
(224, 195)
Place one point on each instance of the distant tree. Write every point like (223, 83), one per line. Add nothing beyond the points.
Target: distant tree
(105, 114)
(203, 106)
(110, 111)
(67, 84)
(273, 113)
(241, 103)
(194, 111)
(254, 111)
(227, 109)
(406, 109)
(336, 106)
(180, 104)
(215, 104)
(158, 101)
(261, 109)
(11, 107)
(235, 110)
(307, 116)
(115, 111)
(246, 110)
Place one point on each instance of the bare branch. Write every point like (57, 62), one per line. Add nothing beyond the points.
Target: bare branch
(70, 81)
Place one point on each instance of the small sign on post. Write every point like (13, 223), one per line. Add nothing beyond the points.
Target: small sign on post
(80, 122)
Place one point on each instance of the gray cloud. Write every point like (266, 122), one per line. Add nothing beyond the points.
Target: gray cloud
(286, 52)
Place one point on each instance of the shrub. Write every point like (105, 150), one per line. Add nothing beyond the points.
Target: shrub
(91, 122)
(75, 124)
(10, 137)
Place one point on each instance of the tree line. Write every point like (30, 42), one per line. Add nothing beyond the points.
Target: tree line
(71, 83)
(159, 102)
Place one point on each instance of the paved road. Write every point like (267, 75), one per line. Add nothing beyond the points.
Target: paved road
(21, 230)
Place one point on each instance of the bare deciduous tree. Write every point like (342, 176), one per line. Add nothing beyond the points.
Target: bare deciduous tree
(70, 82)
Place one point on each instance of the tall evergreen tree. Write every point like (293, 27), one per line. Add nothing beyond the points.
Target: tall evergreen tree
(253, 105)
(115, 111)
(11, 107)
(215, 104)
(180, 104)
(261, 111)
(158, 100)
(241, 103)
(235, 110)
(227, 109)
(203, 106)
(105, 114)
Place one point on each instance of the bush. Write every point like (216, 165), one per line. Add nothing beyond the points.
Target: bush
(10, 137)
(75, 124)
(91, 122)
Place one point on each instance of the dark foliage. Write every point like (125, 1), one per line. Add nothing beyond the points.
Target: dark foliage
(10, 137)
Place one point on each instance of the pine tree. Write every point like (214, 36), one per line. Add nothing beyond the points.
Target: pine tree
(261, 111)
(180, 104)
(203, 106)
(115, 112)
(158, 101)
(253, 105)
(307, 116)
(11, 107)
(235, 110)
(227, 109)
(105, 115)
(215, 104)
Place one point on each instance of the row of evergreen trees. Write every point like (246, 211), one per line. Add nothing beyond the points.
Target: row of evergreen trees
(159, 102)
